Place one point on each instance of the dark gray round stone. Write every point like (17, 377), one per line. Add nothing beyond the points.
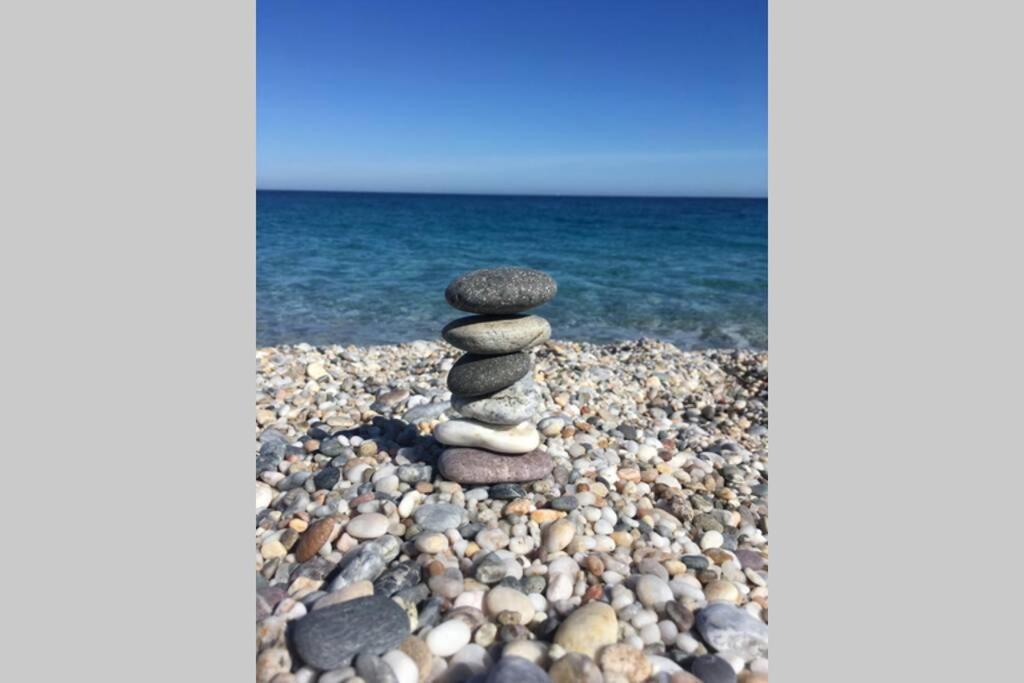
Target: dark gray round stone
(564, 503)
(473, 375)
(712, 669)
(517, 670)
(476, 466)
(328, 638)
(499, 291)
(327, 478)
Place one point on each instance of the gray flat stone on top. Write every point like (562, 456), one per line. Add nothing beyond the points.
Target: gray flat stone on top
(500, 290)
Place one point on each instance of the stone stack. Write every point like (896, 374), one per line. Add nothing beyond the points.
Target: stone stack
(492, 383)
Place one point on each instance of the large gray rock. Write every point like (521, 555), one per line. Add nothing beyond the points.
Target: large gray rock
(510, 406)
(500, 290)
(728, 628)
(473, 374)
(328, 638)
(475, 466)
(496, 334)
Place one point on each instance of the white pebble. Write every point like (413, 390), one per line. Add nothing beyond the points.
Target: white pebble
(711, 539)
(448, 638)
(402, 666)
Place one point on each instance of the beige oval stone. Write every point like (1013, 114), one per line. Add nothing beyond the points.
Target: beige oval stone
(559, 535)
(503, 598)
(588, 629)
(722, 590)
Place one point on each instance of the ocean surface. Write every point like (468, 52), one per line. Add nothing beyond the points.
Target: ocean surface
(359, 268)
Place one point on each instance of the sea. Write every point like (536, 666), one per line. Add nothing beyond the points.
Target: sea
(371, 268)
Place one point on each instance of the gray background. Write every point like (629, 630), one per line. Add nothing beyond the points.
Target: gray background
(127, 169)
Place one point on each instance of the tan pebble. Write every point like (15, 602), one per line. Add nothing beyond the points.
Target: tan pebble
(750, 677)
(531, 650)
(298, 525)
(311, 446)
(588, 628)
(559, 534)
(546, 515)
(471, 549)
(519, 506)
(424, 487)
(722, 590)
(623, 539)
(368, 448)
(675, 567)
(274, 549)
(594, 565)
(272, 662)
(626, 661)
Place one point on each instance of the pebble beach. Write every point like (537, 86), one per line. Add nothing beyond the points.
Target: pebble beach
(641, 555)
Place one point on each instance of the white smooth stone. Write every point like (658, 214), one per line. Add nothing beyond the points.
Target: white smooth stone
(448, 638)
(520, 438)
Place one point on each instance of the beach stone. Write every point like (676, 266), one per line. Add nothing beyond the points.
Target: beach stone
(496, 334)
(439, 516)
(271, 662)
(500, 291)
(626, 662)
(328, 638)
(474, 374)
(431, 542)
(575, 668)
(313, 539)
(564, 503)
(652, 590)
(506, 492)
(750, 559)
(402, 665)
(588, 628)
(509, 439)
(358, 589)
(505, 599)
(327, 477)
(680, 615)
(559, 534)
(398, 577)
(475, 466)
(417, 650)
(368, 525)
(366, 562)
(469, 661)
(510, 406)
(448, 638)
(512, 669)
(728, 628)
(712, 669)
(373, 669)
(426, 412)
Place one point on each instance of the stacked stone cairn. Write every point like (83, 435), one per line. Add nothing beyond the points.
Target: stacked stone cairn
(495, 440)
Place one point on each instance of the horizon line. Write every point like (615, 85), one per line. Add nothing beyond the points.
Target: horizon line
(516, 194)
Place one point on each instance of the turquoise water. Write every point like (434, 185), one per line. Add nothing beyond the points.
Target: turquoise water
(354, 268)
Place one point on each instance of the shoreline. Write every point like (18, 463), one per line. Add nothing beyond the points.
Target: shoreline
(660, 477)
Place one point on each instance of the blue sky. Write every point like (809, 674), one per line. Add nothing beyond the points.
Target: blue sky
(594, 98)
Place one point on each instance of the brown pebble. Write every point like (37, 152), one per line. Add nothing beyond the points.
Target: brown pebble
(311, 446)
(751, 677)
(593, 593)
(546, 515)
(313, 538)
(435, 568)
(594, 565)
(424, 487)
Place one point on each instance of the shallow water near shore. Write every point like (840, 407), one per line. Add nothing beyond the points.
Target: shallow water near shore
(355, 268)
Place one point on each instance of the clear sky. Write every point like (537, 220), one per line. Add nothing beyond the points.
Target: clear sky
(654, 97)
